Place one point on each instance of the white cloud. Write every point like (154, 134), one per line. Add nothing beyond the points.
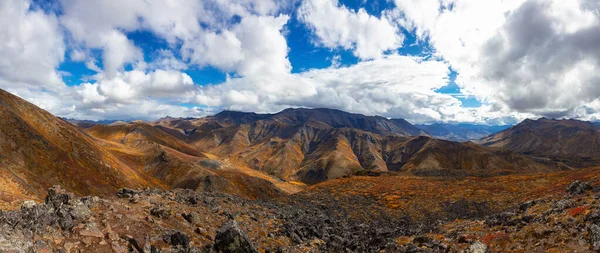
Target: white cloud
(77, 55)
(223, 50)
(31, 47)
(166, 60)
(118, 50)
(130, 86)
(420, 14)
(393, 86)
(535, 57)
(337, 26)
(232, 47)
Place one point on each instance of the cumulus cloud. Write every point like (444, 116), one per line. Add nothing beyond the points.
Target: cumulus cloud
(337, 26)
(521, 58)
(393, 86)
(31, 47)
(535, 57)
(232, 47)
(542, 60)
(242, 48)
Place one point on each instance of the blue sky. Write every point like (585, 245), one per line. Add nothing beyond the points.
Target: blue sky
(303, 53)
(423, 60)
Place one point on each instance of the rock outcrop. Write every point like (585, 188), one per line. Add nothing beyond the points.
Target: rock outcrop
(230, 238)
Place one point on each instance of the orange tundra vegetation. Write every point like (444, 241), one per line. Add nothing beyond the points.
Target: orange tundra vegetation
(424, 198)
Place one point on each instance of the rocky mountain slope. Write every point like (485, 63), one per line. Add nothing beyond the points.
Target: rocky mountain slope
(179, 165)
(576, 143)
(534, 213)
(38, 150)
(461, 132)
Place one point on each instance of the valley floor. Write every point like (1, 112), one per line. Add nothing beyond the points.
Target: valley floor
(558, 212)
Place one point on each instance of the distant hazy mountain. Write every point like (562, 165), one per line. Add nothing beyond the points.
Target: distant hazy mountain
(88, 123)
(461, 132)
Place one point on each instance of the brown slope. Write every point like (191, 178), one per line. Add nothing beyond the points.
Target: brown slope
(332, 159)
(39, 150)
(140, 134)
(350, 151)
(426, 197)
(158, 151)
(572, 141)
(180, 170)
(446, 158)
(277, 143)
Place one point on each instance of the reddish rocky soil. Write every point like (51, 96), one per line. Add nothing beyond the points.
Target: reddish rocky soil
(554, 214)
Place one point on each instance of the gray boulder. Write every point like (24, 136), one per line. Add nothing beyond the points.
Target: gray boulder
(577, 188)
(477, 247)
(594, 235)
(230, 238)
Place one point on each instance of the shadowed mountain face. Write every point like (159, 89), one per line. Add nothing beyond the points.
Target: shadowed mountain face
(574, 142)
(322, 118)
(461, 132)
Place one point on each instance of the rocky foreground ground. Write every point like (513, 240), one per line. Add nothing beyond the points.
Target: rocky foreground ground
(187, 221)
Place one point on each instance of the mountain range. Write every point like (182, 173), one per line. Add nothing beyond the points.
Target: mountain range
(267, 155)
(247, 154)
(300, 180)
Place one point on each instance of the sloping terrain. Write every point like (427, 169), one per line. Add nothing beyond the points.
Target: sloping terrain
(576, 143)
(446, 158)
(461, 132)
(179, 165)
(39, 150)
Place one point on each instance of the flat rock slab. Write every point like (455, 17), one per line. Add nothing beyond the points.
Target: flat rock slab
(91, 233)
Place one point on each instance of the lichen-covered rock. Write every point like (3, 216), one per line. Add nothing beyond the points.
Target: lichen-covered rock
(525, 206)
(14, 241)
(57, 197)
(27, 204)
(192, 218)
(477, 247)
(161, 212)
(178, 238)
(79, 211)
(594, 235)
(230, 238)
(577, 188)
(126, 193)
